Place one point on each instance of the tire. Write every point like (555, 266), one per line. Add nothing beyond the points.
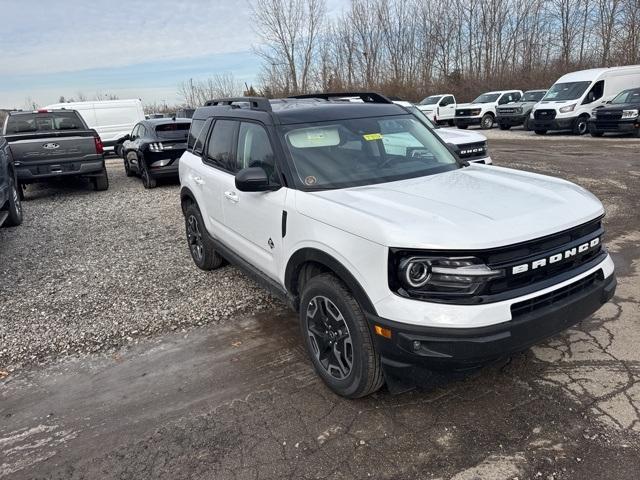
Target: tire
(526, 125)
(200, 243)
(486, 122)
(504, 127)
(148, 180)
(541, 132)
(127, 169)
(451, 123)
(327, 303)
(14, 205)
(101, 181)
(581, 125)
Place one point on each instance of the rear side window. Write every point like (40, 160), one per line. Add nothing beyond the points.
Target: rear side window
(220, 150)
(44, 122)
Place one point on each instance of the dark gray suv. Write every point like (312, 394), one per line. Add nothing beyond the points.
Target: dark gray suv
(10, 204)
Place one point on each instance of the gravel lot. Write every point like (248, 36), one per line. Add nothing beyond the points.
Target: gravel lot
(89, 271)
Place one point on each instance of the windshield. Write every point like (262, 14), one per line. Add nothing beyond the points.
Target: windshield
(627, 96)
(432, 100)
(44, 122)
(533, 96)
(365, 151)
(487, 98)
(174, 131)
(566, 91)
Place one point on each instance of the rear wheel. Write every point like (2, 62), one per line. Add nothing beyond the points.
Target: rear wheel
(581, 125)
(14, 205)
(200, 244)
(101, 181)
(487, 121)
(541, 132)
(148, 180)
(338, 339)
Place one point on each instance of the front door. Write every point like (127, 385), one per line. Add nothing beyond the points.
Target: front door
(447, 108)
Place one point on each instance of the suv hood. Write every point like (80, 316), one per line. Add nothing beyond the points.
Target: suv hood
(459, 137)
(476, 207)
(517, 104)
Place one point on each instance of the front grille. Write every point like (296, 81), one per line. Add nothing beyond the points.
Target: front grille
(544, 114)
(608, 115)
(551, 298)
(472, 150)
(506, 110)
(463, 113)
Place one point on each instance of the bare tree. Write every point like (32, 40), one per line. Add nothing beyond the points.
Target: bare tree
(195, 93)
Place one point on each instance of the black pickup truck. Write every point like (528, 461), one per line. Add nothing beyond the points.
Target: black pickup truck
(10, 205)
(48, 144)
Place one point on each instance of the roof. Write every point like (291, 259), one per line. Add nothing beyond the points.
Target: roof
(292, 111)
(593, 73)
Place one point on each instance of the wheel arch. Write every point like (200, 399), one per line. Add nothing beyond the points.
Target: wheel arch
(186, 197)
(322, 262)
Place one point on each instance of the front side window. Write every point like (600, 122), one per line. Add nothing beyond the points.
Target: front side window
(447, 101)
(566, 91)
(254, 149)
(487, 98)
(595, 93)
(364, 151)
(627, 96)
(220, 149)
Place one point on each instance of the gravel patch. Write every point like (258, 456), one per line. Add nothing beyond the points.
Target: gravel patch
(91, 271)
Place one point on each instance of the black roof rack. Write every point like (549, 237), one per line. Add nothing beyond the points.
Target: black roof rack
(255, 103)
(367, 97)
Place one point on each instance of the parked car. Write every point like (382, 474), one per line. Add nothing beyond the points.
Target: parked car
(482, 111)
(154, 147)
(48, 144)
(112, 119)
(469, 146)
(398, 262)
(515, 114)
(439, 108)
(570, 101)
(620, 115)
(10, 204)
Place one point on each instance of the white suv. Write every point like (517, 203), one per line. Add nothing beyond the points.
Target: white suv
(482, 111)
(400, 258)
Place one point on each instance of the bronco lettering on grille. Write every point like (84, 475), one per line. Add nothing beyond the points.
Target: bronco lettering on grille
(555, 258)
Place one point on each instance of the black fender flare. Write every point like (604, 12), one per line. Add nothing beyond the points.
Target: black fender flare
(304, 255)
(186, 194)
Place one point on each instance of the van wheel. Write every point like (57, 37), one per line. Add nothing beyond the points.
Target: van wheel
(200, 243)
(581, 125)
(14, 204)
(101, 181)
(541, 132)
(487, 121)
(337, 337)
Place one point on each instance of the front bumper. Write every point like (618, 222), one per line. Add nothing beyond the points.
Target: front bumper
(554, 124)
(467, 121)
(33, 172)
(616, 126)
(414, 350)
(511, 120)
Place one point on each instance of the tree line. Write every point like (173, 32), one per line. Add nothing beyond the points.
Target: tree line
(412, 48)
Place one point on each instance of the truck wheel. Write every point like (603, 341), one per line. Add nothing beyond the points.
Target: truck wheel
(487, 121)
(200, 244)
(101, 181)
(14, 204)
(541, 132)
(526, 125)
(337, 337)
(504, 126)
(581, 125)
(148, 180)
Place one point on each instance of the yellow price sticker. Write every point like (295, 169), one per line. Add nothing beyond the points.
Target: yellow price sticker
(372, 136)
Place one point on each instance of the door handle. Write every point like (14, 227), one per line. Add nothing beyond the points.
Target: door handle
(231, 196)
(198, 180)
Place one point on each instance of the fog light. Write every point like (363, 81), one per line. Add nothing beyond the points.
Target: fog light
(416, 345)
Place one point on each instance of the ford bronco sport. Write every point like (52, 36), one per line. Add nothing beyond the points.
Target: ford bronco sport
(400, 258)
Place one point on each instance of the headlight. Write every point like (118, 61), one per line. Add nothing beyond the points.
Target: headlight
(568, 108)
(594, 112)
(475, 113)
(518, 110)
(629, 113)
(438, 278)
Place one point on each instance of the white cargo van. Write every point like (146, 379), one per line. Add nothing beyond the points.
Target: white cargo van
(569, 102)
(112, 119)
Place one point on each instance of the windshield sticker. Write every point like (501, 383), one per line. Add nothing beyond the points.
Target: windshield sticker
(372, 136)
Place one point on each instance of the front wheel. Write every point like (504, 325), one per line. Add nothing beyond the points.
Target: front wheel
(338, 339)
(127, 168)
(200, 244)
(487, 121)
(14, 204)
(581, 126)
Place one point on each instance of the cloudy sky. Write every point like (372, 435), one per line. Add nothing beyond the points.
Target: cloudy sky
(130, 48)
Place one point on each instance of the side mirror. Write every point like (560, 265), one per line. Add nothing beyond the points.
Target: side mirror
(126, 137)
(253, 179)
